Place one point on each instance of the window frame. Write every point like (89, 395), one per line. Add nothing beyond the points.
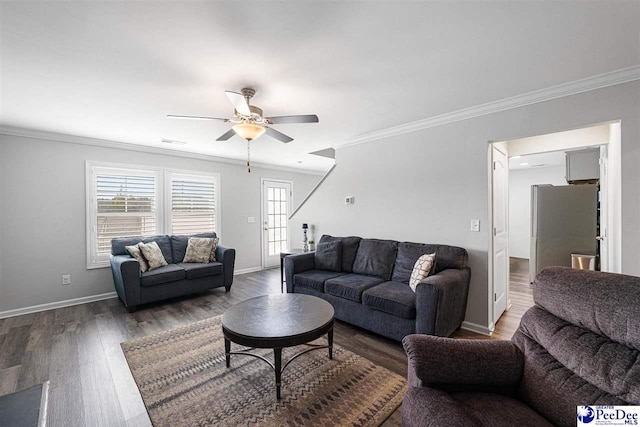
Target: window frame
(169, 174)
(163, 208)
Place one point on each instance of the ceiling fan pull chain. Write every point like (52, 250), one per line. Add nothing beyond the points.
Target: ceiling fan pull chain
(249, 156)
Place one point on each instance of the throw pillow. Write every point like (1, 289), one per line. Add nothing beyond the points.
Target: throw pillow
(153, 254)
(421, 269)
(328, 256)
(212, 257)
(135, 252)
(198, 250)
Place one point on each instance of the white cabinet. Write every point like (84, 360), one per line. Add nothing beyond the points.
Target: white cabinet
(583, 165)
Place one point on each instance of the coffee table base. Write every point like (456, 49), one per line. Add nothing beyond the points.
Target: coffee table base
(277, 356)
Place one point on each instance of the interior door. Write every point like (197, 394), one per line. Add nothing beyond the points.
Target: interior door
(276, 207)
(603, 204)
(499, 178)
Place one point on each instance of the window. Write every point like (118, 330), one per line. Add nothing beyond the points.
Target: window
(128, 201)
(193, 204)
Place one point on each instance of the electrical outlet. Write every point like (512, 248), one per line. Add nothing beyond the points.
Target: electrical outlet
(66, 279)
(475, 225)
(349, 200)
(251, 219)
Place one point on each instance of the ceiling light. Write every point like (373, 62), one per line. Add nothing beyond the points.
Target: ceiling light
(524, 164)
(248, 131)
(516, 157)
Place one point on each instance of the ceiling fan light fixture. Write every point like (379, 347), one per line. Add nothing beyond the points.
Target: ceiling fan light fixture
(248, 131)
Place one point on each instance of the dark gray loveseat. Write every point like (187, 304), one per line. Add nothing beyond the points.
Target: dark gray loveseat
(579, 345)
(173, 280)
(369, 288)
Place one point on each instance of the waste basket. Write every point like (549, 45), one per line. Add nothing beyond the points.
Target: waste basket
(583, 262)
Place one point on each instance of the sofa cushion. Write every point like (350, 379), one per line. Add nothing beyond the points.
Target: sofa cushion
(314, 279)
(376, 258)
(349, 248)
(393, 298)
(135, 252)
(350, 286)
(199, 250)
(153, 255)
(424, 267)
(194, 270)
(408, 254)
(168, 273)
(179, 244)
(328, 256)
(118, 245)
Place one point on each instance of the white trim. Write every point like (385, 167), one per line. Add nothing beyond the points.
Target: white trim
(169, 173)
(599, 81)
(478, 329)
(263, 244)
(91, 203)
(83, 140)
(57, 304)
(44, 404)
(247, 270)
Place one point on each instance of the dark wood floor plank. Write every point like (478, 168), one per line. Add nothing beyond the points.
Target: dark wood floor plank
(66, 404)
(101, 403)
(9, 379)
(14, 346)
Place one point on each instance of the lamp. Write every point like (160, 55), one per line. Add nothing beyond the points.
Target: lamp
(305, 246)
(248, 131)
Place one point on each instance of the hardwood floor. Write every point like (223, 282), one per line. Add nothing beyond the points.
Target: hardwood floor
(78, 348)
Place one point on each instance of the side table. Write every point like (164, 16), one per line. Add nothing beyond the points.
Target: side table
(283, 254)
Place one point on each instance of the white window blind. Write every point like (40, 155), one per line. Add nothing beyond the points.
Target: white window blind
(126, 206)
(193, 204)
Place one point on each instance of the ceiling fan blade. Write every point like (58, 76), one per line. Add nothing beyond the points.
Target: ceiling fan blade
(173, 116)
(227, 135)
(307, 118)
(239, 102)
(278, 135)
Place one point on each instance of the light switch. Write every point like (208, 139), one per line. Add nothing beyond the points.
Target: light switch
(251, 219)
(475, 225)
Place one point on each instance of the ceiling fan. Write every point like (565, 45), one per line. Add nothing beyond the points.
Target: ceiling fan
(249, 121)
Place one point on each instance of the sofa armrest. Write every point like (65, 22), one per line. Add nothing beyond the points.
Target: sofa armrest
(438, 361)
(126, 278)
(297, 263)
(227, 256)
(441, 301)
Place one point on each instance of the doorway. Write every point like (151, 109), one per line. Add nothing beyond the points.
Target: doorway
(521, 152)
(276, 207)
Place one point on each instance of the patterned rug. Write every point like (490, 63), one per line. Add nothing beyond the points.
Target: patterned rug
(183, 381)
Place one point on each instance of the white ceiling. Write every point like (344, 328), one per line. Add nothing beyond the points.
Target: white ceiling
(541, 160)
(114, 69)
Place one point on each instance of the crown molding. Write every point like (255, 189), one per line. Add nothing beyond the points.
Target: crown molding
(83, 140)
(599, 81)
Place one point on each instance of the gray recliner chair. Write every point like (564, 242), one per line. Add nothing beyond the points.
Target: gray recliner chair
(579, 345)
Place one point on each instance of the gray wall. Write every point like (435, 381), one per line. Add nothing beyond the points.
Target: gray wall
(426, 186)
(520, 182)
(42, 232)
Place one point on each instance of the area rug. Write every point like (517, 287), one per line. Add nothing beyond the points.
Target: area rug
(183, 380)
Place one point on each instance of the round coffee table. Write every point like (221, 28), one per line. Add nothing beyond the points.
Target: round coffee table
(277, 321)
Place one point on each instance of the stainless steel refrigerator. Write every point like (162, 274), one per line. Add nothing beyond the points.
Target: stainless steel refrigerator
(564, 221)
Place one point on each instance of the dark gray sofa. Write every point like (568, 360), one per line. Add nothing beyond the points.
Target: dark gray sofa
(173, 280)
(371, 289)
(579, 345)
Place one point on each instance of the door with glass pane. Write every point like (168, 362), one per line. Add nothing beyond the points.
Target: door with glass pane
(276, 206)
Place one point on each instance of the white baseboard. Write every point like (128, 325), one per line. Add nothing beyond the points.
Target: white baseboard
(478, 329)
(57, 304)
(247, 270)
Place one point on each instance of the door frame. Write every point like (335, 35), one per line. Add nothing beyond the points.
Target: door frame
(613, 209)
(263, 249)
